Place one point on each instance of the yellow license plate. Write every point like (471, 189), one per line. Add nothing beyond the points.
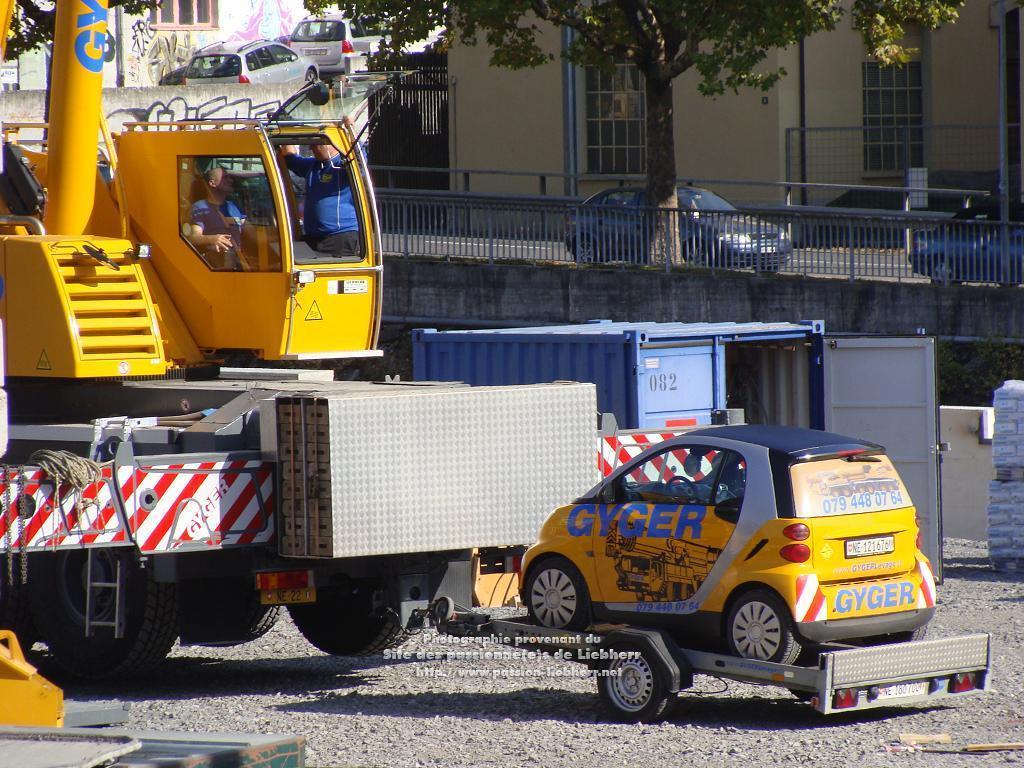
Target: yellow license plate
(288, 596)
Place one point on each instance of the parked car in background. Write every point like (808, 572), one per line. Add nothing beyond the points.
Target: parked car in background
(260, 61)
(174, 77)
(617, 225)
(337, 44)
(969, 247)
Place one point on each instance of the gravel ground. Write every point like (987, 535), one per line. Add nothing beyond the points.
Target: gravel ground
(360, 712)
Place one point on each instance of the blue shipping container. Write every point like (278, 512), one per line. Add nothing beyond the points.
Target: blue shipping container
(650, 375)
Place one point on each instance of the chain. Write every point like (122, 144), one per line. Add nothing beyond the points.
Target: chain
(23, 513)
(7, 506)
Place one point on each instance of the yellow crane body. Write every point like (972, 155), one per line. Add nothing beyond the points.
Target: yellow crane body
(26, 697)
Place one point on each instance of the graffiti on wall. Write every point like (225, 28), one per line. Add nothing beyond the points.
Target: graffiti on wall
(152, 52)
(177, 108)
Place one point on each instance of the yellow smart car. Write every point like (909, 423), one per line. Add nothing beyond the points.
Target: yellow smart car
(773, 538)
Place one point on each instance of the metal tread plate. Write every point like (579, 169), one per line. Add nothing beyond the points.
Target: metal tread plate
(865, 666)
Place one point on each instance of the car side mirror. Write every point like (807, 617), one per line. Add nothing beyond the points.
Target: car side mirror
(729, 509)
(319, 93)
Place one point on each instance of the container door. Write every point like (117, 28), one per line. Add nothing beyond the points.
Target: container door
(883, 389)
(675, 387)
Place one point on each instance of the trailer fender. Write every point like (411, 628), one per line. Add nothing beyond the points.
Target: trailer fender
(674, 667)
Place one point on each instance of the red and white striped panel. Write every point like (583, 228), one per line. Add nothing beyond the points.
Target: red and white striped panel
(215, 503)
(926, 592)
(811, 604)
(616, 451)
(52, 525)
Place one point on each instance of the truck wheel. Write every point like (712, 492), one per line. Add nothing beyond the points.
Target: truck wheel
(633, 688)
(557, 596)
(57, 590)
(14, 606)
(759, 627)
(346, 623)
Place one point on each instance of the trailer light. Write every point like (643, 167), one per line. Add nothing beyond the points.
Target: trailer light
(796, 532)
(845, 698)
(271, 580)
(517, 565)
(796, 553)
(963, 681)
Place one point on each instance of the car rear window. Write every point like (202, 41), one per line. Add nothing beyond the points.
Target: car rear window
(319, 32)
(215, 66)
(847, 487)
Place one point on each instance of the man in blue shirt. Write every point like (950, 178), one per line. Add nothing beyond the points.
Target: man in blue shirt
(329, 216)
(216, 220)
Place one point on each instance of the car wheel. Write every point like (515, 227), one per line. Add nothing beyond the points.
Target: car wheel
(633, 687)
(557, 596)
(759, 626)
(310, 75)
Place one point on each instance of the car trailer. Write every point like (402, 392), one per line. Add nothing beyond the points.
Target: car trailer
(640, 670)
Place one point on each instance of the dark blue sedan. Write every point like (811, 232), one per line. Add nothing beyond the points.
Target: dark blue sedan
(617, 225)
(969, 247)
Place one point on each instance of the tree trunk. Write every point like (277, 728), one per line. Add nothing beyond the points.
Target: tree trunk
(661, 169)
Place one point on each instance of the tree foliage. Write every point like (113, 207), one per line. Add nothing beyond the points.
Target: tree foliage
(725, 41)
(32, 23)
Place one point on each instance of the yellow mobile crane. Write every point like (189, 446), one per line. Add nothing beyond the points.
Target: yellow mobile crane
(107, 278)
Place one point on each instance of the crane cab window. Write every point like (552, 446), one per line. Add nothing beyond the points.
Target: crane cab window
(226, 213)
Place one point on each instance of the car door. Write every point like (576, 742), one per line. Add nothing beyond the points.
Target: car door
(667, 520)
(289, 66)
(613, 225)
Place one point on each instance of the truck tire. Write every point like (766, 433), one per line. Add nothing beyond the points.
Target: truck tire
(759, 627)
(556, 595)
(57, 600)
(14, 607)
(345, 622)
(634, 689)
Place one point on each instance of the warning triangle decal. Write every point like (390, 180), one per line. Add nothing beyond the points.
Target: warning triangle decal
(314, 313)
(44, 362)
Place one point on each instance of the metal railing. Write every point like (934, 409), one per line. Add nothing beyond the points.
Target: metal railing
(811, 242)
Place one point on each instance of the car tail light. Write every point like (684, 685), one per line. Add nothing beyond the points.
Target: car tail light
(244, 79)
(845, 698)
(346, 46)
(796, 532)
(963, 681)
(796, 553)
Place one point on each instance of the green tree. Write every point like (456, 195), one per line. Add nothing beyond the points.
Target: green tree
(724, 41)
(32, 23)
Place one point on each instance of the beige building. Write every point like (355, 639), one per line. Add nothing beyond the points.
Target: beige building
(934, 119)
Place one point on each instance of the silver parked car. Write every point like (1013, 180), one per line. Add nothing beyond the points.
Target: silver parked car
(261, 61)
(337, 44)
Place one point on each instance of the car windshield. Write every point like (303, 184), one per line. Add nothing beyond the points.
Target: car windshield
(847, 487)
(703, 200)
(219, 65)
(319, 32)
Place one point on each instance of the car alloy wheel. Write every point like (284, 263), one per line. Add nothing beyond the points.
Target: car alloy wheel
(759, 627)
(556, 595)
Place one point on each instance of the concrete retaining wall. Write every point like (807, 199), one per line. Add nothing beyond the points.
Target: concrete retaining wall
(425, 292)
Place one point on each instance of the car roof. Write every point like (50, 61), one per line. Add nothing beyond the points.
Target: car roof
(793, 441)
(326, 17)
(990, 209)
(214, 49)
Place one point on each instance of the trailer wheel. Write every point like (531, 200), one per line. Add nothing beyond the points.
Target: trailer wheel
(57, 590)
(759, 627)
(632, 687)
(344, 622)
(556, 595)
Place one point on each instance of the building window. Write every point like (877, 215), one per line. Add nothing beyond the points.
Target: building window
(893, 136)
(615, 116)
(177, 14)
